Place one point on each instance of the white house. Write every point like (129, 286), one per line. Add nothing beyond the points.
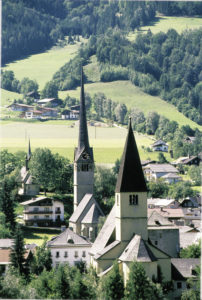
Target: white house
(155, 171)
(171, 178)
(160, 146)
(69, 247)
(43, 211)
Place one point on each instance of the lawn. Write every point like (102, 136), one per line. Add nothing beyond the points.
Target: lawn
(42, 66)
(133, 96)
(8, 97)
(163, 23)
(37, 235)
(108, 143)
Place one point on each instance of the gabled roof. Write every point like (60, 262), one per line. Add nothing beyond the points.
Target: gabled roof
(137, 250)
(107, 249)
(130, 177)
(79, 210)
(159, 143)
(156, 219)
(36, 200)
(93, 214)
(83, 143)
(182, 267)
(161, 168)
(105, 233)
(68, 237)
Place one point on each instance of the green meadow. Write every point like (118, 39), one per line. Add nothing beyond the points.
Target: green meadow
(8, 97)
(164, 23)
(133, 96)
(108, 143)
(42, 66)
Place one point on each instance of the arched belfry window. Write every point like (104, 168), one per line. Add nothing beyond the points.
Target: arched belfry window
(133, 199)
(84, 167)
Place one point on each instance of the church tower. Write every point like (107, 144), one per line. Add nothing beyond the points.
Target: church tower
(83, 156)
(130, 194)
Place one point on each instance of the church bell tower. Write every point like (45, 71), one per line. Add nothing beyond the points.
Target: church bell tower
(83, 156)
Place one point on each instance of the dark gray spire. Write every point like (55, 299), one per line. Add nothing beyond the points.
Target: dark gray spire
(130, 177)
(83, 142)
(28, 156)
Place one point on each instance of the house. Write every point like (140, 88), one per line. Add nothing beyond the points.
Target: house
(190, 202)
(48, 112)
(124, 235)
(190, 139)
(84, 220)
(28, 186)
(43, 211)
(175, 215)
(156, 171)
(34, 114)
(160, 146)
(164, 203)
(75, 107)
(20, 107)
(33, 94)
(70, 114)
(161, 231)
(182, 269)
(187, 161)
(171, 178)
(69, 247)
(53, 102)
(189, 236)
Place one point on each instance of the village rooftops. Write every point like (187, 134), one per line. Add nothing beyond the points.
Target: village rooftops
(46, 100)
(171, 175)
(161, 168)
(68, 237)
(182, 268)
(157, 220)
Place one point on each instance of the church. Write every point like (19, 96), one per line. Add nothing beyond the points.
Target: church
(124, 235)
(87, 211)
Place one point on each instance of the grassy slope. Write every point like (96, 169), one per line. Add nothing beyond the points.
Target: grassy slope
(7, 97)
(132, 96)
(42, 66)
(165, 23)
(108, 143)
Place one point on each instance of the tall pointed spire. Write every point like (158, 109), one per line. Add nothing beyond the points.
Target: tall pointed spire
(130, 177)
(83, 131)
(29, 153)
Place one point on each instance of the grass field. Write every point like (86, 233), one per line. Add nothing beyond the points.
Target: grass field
(37, 235)
(42, 66)
(163, 24)
(108, 143)
(7, 97)
(132, 96)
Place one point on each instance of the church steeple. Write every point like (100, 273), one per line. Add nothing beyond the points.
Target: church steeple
(28, 156)
(83, 142)
(130, 177)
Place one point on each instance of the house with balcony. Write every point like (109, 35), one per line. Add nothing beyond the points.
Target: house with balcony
(69, 247)
(156, 171)
(160, 146)
(43, 211)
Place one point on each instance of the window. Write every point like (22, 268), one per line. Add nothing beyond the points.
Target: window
(84, 167)
(57, 210)
(35, 217)
(76, 254)
(57, 254)
(117, 200)
(36, 208)
(66, 254)
(133, 199)
(84, 254)
(46, 209)
(179, 285)
(46, 216)
(156, 243)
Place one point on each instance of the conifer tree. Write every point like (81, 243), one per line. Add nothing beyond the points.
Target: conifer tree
(139, 286)
(111, 285)
(18, 251)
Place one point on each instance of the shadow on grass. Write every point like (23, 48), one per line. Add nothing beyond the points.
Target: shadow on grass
(31, 233)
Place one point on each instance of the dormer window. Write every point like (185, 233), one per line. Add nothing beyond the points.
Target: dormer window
(133, 199)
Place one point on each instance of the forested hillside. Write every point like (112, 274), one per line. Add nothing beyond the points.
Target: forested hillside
(32, 26)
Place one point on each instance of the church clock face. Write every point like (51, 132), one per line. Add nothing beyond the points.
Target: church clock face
(85, 155)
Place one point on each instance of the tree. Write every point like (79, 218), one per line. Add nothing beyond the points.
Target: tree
(161, 158)
(18, 251)
(27, 85)
(152, 122)
(195, 174)
(192, 251)
(194, 287)
(43, 260)
(4, 230)
(158, 189)
(180, 190)
(120, 113)
(43, 168)
(111, 285)
(139, 286)
(64, 179)
(6, 201)
(61, 283)
(50, 90)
